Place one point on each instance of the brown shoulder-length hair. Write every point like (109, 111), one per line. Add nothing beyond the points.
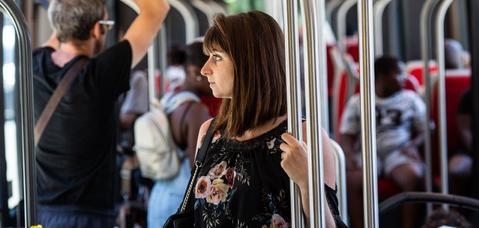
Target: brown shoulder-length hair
(255, 44)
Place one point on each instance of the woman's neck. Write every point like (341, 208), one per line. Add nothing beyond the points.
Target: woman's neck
(255, 132)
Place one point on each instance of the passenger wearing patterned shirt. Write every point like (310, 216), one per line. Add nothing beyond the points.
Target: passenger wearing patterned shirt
(400, 116)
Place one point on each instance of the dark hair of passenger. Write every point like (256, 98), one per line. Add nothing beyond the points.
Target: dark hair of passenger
(385, 65)
(195, 55)
(176, 55)
(255, 44)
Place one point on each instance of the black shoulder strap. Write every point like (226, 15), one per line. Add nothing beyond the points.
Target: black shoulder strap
(56, 97)
(188, 201)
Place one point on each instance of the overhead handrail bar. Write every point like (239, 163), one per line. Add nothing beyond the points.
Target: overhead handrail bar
(341, 23)
(152, 61)
(314, 69)
(379, 7)
(426, 54)
(205, 8)
(293, 87)
(25, 108)
(368, 112)
(217, 7)
(441, 64)
(330, 7)
(191, 22)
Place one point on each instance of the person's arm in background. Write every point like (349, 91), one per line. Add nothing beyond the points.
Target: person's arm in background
(417, 130)
(136, 100)
(196, 116)
(145, 26)
(350, 131)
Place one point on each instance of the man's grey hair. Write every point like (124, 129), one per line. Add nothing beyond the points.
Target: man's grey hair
(73, 19)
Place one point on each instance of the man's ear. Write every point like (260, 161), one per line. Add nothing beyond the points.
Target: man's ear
(97, 31)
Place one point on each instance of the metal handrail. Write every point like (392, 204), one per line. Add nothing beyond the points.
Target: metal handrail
(330, 7)
(441, 77)
(217, 7)
(341, 23)
(340, 162)
(314, 68)
(204, 8)
(25, 108)
(368, 113)
(409, 197)
(293, 87)
(379, 7)
(191, 22)
(426, 54)
(152, 60)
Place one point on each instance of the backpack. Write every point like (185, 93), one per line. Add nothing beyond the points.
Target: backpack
(155, 148)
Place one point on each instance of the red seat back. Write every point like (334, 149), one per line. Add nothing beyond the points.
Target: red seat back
(457, 82)
(415, 68)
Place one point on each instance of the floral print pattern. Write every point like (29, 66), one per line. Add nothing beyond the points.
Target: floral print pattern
(234, 189)
(213, 187)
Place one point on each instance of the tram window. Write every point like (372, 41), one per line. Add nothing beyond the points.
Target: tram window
(9, 71)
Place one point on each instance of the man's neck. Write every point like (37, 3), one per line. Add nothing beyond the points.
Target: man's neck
(69, 50)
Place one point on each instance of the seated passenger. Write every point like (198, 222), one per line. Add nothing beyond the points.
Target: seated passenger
(185, 122)
(245, 179)
(399, 133)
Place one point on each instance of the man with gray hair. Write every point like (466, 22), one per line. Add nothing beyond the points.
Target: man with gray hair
(75, 155)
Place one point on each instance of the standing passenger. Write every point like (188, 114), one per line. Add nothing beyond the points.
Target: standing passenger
(244, 181)
(185, 121)
(76, 153)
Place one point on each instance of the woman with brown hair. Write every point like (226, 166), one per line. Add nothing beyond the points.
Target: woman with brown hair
(244, 181)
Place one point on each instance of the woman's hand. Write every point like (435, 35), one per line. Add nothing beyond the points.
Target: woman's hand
(294, 159)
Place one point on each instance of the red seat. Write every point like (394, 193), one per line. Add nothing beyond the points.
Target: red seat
(352, 48)
(457, 82)
(415, 68)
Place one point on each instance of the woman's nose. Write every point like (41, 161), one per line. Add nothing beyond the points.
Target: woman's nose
(205, 70)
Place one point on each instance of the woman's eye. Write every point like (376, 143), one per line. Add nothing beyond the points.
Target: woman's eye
(216, 57)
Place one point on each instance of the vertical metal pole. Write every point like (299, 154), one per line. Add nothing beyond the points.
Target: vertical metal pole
(426, 53)
(368, 112)
(340, 162)
(291, 37)
(441, 63)
(314, 49)
(25, 108)
(163, 55)
(379, 7)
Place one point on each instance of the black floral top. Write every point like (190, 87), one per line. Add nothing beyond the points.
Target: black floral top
(242, 184)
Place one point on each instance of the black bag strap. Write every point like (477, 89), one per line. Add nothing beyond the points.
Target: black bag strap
(187, 203)
(56, 97)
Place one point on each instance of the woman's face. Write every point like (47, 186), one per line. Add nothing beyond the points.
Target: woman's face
(219, 70)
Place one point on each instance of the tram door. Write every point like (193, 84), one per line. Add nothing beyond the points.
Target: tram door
(11, 197)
